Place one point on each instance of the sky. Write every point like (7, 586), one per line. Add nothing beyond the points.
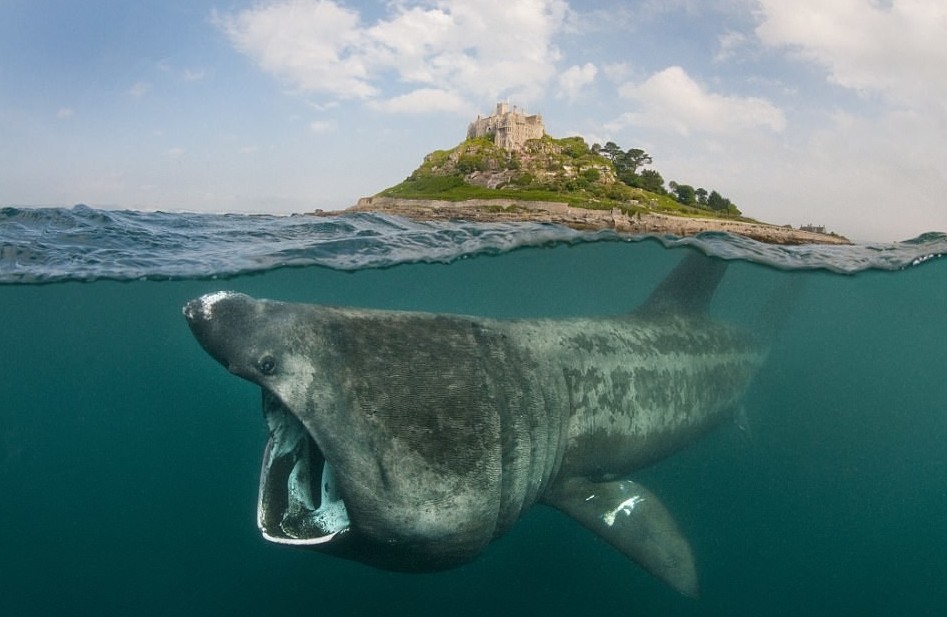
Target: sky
(830, 112)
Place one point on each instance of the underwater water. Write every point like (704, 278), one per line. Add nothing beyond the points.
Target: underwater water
(129, 459)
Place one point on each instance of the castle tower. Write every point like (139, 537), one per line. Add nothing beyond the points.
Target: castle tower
(510, 129)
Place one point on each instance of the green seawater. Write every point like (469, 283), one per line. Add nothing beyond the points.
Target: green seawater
(129, 459)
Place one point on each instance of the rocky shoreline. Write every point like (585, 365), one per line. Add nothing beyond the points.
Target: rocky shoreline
(507, 210)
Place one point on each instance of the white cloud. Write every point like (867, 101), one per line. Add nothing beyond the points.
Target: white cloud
(425, 100)
(193, 74)
(574, 80)
(617, 72)
(321, 126)
(139, 89)
(175, 153)
(853, 174)
(65, 112)
(468, 48)
(730, 44)
(481, 47)
(189, 74)
(895, 48)
(314, 44)
(671, 99)
(879, 167)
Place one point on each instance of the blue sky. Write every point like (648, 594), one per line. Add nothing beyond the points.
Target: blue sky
(825, 111)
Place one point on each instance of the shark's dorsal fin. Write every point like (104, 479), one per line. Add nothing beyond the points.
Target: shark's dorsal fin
(632, 519)
(688, 289)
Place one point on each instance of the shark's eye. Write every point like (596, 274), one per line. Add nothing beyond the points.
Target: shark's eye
(266, 365)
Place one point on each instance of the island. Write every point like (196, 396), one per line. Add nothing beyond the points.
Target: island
(509, 170)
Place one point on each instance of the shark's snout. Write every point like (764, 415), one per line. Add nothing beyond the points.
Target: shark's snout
(213, 319)
(300, 502)
(202, 309)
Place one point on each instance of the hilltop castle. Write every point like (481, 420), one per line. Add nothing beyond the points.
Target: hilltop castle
(510, 128)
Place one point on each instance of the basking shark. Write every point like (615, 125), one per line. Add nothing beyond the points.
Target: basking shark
(410, 440)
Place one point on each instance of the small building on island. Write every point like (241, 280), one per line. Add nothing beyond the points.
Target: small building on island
(510, 128)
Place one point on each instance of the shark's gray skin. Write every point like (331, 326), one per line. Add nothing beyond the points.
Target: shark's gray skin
(409, 440)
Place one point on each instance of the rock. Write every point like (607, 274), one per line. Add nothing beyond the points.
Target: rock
(511, 210)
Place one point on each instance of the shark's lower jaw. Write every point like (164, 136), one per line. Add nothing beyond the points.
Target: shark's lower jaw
(299, 500)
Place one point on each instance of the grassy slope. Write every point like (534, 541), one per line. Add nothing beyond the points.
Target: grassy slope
(548, 170)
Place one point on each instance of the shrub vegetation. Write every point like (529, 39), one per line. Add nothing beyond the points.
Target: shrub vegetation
(564, 170)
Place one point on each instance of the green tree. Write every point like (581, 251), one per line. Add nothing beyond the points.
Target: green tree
(626, 163)
(651, 180)
(636, 158)
(717, 202)
(685, 194)
(702, 196)
(611, 150)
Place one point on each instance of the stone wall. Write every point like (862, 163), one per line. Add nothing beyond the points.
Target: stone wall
(510, 128)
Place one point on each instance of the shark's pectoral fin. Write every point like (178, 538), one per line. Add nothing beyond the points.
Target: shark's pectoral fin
(633, 520)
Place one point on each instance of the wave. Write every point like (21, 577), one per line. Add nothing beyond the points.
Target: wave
(46, 245)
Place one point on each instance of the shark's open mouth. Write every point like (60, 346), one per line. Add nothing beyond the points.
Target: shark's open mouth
(299, 499)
